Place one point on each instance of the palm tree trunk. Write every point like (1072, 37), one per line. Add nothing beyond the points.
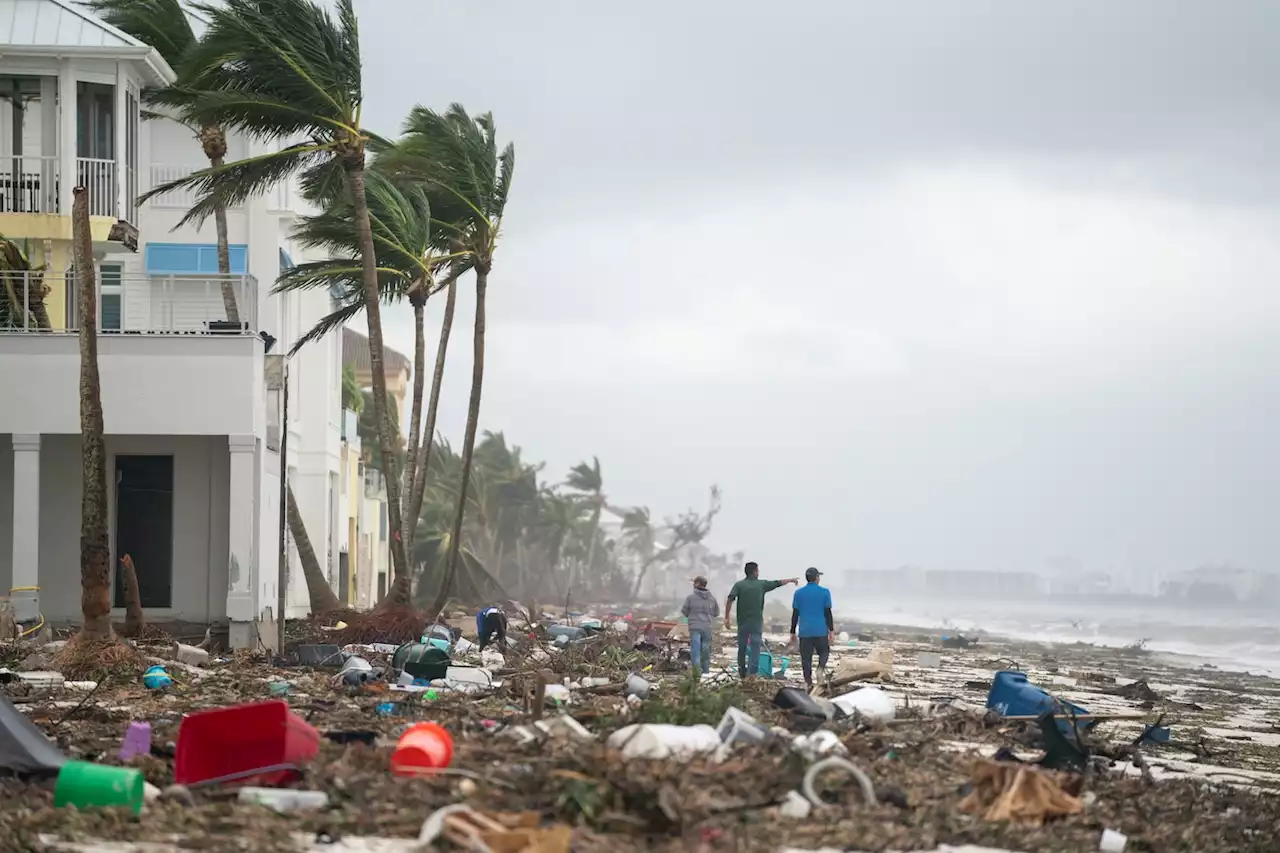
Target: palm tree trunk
(468, 441)
(373, 310)
(321, 594)
(433, 408)
(135, 621)
(595, 530)
(415, 416)
(229, 304)
(95, 551)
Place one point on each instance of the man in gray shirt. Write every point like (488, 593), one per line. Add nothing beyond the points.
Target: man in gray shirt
(701, 609)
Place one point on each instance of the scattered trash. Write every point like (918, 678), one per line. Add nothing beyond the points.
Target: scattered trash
(929, 660)
(817, 744)
(569, 632)
(1112, 841)
(836, 763)
(795, 806)
(468, 829)
(190, 655)
(243, 739)
(870, 703)
(638, 686)
(423, 747)
(279, 688)
(958, 642)
(1018, 792)
(324, 654)
(137, 740)
(737, 726)
(24, 749)
(283, 799)
(156, 678)
(660, 740)
(796, 700)
(1139, 691)
(86, 785)
(1012, 695)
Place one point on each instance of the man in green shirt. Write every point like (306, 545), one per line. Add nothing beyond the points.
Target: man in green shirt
(749, 593)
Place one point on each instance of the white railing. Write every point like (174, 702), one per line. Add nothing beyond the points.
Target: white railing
(28, 183)
(180, 199)
(164, 173)
(137, 304)
(99, 178)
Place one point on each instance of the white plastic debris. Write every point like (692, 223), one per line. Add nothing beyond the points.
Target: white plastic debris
(44, 679)
(659, 740)
(1112, 841)
(929, 660)
(463, 646)
(870, 703)
(836, 763)
(620, 626)
(817, 744)
(737, 726)
(558, 694)
(190, 655)
(795, 806)
(566, 727)
(493, 659)
(843, 637)
(468, 675)
(639, 686)
(284, 799)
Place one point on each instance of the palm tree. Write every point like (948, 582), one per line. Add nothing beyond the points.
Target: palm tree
(95, 550)
(321, 595)
(289, 70)
(588, 480)
(458, 157)
(400, 218)
(165, 25)
(23, 290)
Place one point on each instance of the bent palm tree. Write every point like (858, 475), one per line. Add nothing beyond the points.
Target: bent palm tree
(289, 70)
(400, 219)
(458, 157)
(164, 25)
(588, 480)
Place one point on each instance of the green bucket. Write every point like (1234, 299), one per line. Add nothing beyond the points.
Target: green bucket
(85, 785)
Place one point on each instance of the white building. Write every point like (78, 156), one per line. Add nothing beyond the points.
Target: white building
(192, 422)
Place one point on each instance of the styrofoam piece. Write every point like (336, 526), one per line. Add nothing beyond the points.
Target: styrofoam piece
(463, 646)
(493, 659)
(1112, 841)
(559, 693)
(929, 660)
(192, 655)
(565, 726)
(660, 740)
(283, 799)
(871, 703)
(45, 679)
(818, 744)
(468, 675)
(795, 806)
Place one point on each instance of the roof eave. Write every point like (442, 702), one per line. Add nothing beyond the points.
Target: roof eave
(161, 73)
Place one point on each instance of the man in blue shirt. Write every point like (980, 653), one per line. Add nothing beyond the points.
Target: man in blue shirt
(811, 614)
(491, 621)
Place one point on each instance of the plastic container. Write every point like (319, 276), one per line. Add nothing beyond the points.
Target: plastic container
(1011, 695)
(737, 726)
(284, 799)
(659, 740)
(86, 785)
(156, 678)
(422, 748)
(421, 660)
(137, 740)
(765, 665)
(638, 686)
(242, 738)
(570, 631)
(871, 703)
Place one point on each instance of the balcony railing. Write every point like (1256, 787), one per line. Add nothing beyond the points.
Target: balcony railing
(28, 184)
(183, 199)
(136, 303)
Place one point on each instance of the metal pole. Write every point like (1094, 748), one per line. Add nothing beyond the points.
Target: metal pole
(283, 581)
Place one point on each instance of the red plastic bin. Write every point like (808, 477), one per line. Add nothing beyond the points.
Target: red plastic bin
(227, 741)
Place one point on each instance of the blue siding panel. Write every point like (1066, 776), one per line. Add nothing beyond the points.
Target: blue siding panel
(193, 258)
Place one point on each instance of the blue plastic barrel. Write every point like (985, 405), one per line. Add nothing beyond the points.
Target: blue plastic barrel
(1012, 695)
(765, 665)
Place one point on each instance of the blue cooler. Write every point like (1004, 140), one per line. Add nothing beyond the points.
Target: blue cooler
(1013, 696)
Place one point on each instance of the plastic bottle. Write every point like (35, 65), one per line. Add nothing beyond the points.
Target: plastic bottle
(284, 799)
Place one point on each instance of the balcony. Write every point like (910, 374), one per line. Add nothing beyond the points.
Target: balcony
(138, 304)
(182, 199)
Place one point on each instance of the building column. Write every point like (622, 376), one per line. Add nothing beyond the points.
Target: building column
(67, 100)
(26, 528)
(121, 142)
(242, 567)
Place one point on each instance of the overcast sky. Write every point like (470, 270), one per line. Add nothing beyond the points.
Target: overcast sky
(966, 285)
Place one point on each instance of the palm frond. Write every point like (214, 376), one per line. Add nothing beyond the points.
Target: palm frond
(233, 183)
(330, 322)
(163, 24)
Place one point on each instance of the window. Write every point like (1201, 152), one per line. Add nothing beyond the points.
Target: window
(95, 121)
(110, 299)
(192, 258)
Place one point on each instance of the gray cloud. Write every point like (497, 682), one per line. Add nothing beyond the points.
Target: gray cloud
(961, 284)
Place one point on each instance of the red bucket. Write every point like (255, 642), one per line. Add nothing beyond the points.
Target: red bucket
(242, 738)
